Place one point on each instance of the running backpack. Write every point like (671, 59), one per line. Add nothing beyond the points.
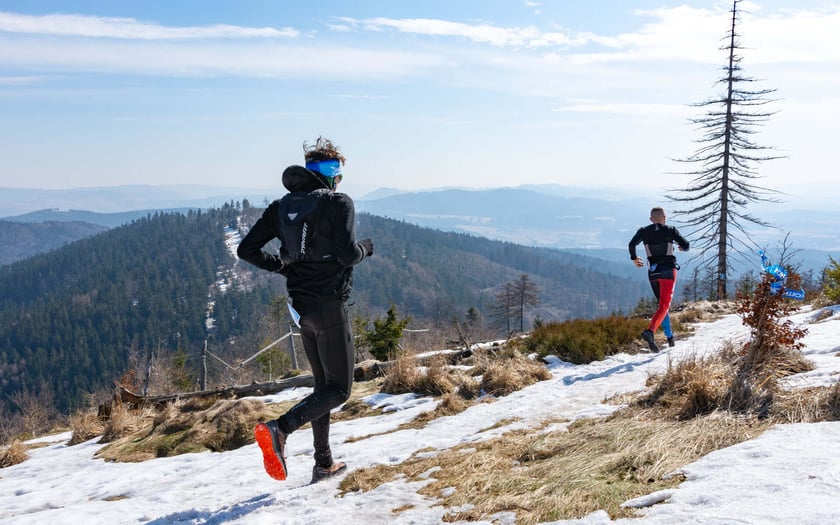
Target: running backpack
(297, 221)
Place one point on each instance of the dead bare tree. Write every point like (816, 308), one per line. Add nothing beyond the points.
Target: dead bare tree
(716, 199)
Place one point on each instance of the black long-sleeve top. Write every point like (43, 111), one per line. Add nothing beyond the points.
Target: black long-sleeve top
(658, 240)
(330, 278)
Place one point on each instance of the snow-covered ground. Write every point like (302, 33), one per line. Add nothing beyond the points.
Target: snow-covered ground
(790, 474)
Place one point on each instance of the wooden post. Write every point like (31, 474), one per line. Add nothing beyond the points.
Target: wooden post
(204, 367)
(148, 374)
(292, 347)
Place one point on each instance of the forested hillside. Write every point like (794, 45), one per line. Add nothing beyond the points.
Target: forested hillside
(75, 319)
(435, 275)
(71, 319)
(21, 240)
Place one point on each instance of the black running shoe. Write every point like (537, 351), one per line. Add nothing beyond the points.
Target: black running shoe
(647, 335)
(671, 341)
(322, 473)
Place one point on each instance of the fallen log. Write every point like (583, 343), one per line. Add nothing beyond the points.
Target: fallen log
(235, 391)
(364, 371)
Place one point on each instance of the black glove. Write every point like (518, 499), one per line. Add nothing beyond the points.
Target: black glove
(367, 247)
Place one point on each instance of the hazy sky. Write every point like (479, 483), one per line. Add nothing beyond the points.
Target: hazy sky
(473, 93)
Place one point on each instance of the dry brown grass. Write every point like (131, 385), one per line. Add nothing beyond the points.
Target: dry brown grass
(741, 379)
(188, 427)
(726, 380)
(505, 376)
(808, 405)
(694, 386)
(85, 425)
(597, 464)
(13, 454)
(436, 379)
(822, 316)
(124, 422)
(197, 424)
(502, 371)
(449, 405)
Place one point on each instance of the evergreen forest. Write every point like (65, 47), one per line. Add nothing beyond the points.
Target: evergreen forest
(76, 319)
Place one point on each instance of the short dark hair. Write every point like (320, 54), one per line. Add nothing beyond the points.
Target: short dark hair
(657, 211)
(323, 149)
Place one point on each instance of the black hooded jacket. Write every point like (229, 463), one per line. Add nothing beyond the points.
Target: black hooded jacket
(336, 225)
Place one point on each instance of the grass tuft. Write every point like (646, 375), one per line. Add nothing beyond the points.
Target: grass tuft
(13, 454)
(85, 425)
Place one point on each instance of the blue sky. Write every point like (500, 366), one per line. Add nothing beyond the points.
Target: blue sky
(418, 94)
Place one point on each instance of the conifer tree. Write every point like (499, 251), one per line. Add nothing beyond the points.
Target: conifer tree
(385, 337)
(724, 180)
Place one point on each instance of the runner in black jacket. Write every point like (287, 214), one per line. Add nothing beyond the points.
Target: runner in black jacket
(659, 242)
(319, 279)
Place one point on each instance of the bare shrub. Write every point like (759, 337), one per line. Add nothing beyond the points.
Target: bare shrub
(13, 454)
(37, 409)
(9, 423)
(772, 352)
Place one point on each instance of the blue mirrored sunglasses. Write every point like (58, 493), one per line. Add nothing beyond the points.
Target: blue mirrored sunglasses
(328, 168)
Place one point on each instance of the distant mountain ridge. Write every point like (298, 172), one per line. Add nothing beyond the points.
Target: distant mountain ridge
(548, 215)
(106, 220)
(516, 215)
(117, 199)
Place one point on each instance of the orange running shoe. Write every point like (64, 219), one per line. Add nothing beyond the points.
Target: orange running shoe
(272, 442)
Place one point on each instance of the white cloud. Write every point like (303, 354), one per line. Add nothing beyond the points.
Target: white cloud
(20, 80)
(678, 33)
(202, 59)
(553, 61)
(483, 33)
(362, 97)
(127, 28)
(341, 28)
(643, 110)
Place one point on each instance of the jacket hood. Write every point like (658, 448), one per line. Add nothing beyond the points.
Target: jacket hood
(298, 178)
